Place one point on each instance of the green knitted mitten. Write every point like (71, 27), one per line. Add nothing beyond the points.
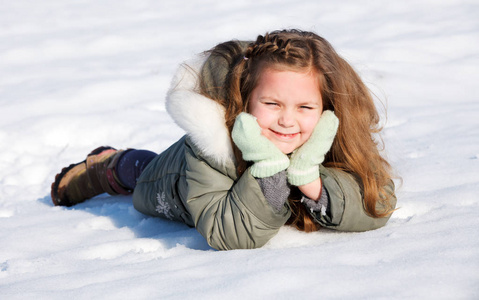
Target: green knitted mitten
(305, 160)
(268, 159)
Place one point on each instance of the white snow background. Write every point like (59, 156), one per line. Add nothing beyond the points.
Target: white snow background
(78, 74)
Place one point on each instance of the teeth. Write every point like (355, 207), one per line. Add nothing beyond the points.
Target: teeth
(287, 134)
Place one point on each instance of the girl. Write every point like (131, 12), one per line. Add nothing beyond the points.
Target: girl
(278, 131)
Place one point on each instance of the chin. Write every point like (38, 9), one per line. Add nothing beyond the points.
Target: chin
(286, 150)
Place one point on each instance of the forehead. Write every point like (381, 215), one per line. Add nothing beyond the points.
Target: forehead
(288, 84)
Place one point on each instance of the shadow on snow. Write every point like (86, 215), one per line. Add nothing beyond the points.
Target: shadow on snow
(122, 213)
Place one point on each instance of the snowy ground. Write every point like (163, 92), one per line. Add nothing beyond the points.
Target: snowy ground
(78, 74)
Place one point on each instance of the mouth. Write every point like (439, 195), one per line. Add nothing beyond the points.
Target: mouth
(285, 135)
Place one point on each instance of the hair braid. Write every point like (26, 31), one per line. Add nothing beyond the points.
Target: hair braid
(269, 45)
(274, 48)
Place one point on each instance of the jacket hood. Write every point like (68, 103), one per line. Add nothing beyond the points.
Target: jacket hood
(202, 118)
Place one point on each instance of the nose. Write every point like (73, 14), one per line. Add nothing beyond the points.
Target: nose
(286, 119)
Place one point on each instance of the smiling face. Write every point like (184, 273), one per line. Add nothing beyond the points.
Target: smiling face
(287, 106)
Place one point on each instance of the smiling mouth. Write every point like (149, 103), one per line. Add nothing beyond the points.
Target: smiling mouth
(284, 135)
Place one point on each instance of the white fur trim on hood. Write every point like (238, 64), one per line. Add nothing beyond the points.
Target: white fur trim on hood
(202, 118)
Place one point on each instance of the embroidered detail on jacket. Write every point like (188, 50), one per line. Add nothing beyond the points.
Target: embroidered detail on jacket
(163, 206)
(323, 210)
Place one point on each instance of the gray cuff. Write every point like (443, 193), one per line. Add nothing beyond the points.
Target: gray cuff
(318, 206)
(275, 189)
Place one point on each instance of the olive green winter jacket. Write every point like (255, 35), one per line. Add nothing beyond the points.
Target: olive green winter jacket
(195, 180)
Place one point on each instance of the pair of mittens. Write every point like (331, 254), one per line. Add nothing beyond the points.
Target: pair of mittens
(303, 166)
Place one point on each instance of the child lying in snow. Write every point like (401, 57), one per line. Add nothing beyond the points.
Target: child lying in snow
(278, 131)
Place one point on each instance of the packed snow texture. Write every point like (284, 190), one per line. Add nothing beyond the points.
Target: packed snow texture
(78, 74)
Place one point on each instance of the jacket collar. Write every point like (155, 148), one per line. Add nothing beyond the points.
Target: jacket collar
(202, 118)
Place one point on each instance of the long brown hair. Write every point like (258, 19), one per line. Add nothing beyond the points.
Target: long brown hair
(355, 148)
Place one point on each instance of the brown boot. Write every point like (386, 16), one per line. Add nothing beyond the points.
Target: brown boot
(84, 180)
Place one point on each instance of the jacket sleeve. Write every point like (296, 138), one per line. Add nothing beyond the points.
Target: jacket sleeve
(346, 209)
(230, 214)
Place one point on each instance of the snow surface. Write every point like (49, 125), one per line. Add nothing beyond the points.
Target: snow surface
(78, 74)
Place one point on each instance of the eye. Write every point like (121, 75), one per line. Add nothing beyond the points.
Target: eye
(271, 103)
(306, 107)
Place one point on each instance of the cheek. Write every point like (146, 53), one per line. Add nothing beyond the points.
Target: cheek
(309, 124)
(263, 117)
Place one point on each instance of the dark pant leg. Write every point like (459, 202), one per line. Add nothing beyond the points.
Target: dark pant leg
(130, 166)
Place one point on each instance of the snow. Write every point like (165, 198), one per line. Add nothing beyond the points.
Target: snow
(78, 74)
